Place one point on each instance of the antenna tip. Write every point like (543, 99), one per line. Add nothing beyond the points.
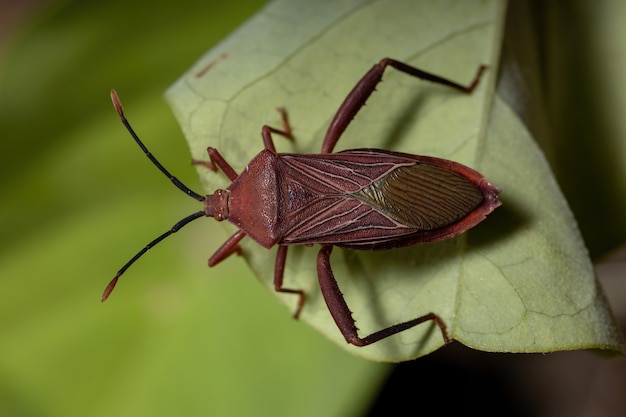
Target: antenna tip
(117, 103)
(109, 289)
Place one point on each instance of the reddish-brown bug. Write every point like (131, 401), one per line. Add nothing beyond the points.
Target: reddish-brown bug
(367, 199)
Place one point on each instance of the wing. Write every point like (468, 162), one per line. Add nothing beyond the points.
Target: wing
(375, 199)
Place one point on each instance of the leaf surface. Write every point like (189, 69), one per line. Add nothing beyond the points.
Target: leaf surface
(521, 281)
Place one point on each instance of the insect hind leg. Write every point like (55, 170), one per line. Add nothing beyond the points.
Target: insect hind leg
(343, 316)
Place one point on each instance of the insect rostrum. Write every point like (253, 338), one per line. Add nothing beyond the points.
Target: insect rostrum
(363, 199)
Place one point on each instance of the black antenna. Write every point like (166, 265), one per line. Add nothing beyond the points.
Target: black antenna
(139, 254)
(120, 110)
(179, 225)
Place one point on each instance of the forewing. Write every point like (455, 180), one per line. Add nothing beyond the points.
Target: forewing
(368, 197)
(343, 172)
(423, 196)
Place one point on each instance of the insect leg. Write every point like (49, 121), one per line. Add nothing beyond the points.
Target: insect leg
(279, 273)
(343, 316)
(216, 160)
(366, 85)
(266, 131)
(228, 248)
(286, 131)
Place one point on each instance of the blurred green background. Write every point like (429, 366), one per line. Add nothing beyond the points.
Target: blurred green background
(177, 338)
(79, 199)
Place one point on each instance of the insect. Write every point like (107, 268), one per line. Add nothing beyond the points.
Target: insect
(363, 199)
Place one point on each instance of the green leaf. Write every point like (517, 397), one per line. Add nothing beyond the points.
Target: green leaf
(521, 281)
(531, 287)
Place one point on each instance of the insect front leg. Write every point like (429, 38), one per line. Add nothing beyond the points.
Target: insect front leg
(286, 132)
(228, 248)
(279, 273)
(343, 316)
(216, 160)
(366, 85)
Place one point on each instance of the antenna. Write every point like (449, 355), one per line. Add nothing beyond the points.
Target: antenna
(120, 110)
(179, 225)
